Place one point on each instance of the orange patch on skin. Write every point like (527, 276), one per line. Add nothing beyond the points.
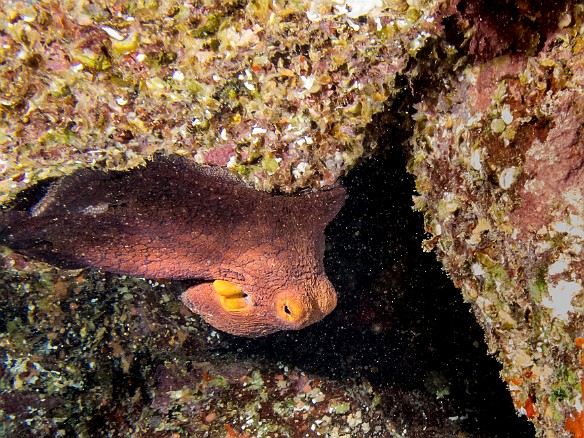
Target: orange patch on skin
(231, 432)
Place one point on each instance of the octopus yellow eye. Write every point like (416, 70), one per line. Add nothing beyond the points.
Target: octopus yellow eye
(231, 297)
(234, 304)
(290, 310)
(226, 288)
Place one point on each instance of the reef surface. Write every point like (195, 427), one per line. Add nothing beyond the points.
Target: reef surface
(280, 92)
(498, 156)
(484, 97)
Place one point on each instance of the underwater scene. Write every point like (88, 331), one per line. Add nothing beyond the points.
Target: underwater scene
(254, 218)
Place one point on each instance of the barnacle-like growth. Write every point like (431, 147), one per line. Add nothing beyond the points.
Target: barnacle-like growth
(499, 161)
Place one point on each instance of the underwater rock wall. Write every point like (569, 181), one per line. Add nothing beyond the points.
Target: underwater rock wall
(498, 156)
(279, 92)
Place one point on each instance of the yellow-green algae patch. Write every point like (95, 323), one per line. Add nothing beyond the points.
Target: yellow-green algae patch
(279, 91)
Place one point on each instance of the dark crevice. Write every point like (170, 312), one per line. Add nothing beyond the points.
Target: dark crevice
(400, 323)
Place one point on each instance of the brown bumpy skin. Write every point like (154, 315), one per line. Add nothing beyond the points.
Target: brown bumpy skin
(174, 219)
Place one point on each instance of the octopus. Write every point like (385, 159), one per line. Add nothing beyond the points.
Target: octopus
(257, 256)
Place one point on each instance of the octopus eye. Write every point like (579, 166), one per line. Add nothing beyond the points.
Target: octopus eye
(291, 310)
(231, 296)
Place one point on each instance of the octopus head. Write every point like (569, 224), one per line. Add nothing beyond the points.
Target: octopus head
(251, 311)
